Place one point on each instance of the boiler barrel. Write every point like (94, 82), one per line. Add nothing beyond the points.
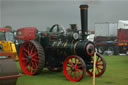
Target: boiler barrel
(80, 48)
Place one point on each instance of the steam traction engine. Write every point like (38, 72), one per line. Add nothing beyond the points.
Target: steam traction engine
(58, 48)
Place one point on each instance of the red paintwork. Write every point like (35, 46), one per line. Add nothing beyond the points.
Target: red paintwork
(5, 29)
(70, 63)
(87, 49)
(27, 33)
(28, 58)
(12, 55)
(122, 35)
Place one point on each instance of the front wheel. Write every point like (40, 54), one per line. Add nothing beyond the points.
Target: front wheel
(74, 68)
(100, 66)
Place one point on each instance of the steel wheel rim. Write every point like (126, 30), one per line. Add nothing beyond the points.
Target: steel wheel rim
(100, 66)
(28, 58)
(73, 68)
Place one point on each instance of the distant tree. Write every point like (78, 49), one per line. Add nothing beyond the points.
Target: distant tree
(8, 26)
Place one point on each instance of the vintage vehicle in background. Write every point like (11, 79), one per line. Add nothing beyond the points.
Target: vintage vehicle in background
(8, 69)
(26, 33)
(57, 48)
(7, 46)
(112, 37)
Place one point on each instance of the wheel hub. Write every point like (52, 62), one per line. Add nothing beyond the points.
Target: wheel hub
(29, 58)
(73, 68)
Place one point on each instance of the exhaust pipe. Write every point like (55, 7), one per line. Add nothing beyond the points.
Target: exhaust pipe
(73, 27)
(84, 21)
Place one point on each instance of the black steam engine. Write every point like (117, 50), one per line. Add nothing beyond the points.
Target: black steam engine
(60, 50)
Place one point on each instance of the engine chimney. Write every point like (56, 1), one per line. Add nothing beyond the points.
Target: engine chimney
(84, 21)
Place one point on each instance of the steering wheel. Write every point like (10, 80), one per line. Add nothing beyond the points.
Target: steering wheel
(57, 28)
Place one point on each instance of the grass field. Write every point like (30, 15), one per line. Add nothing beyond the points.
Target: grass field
(116, 74)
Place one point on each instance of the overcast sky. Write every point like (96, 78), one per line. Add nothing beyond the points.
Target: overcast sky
(42, 13)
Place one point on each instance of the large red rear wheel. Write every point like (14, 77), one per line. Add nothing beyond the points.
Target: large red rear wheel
(100, 66)
(74, 68)
(31, 57)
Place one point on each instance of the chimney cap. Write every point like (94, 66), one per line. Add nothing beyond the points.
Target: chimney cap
(83, 6)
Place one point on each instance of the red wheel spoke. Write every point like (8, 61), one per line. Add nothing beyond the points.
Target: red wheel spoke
(79, 66)
(33, 65)
(35, 57)
(68, 66)
(69, 71)
(76, 63)
(100, 64)
(74, 75)
(35, 60)
(32, 50)
(29, 47)
(25, 54)
(77, 76)
(79, 69)
(34, 54)
(26, 63)
(99, 68)
(71, 63)
(79, 72)
(26, 50)
(36, 64)
(99, 61)
(29, 64)
(97, 58)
